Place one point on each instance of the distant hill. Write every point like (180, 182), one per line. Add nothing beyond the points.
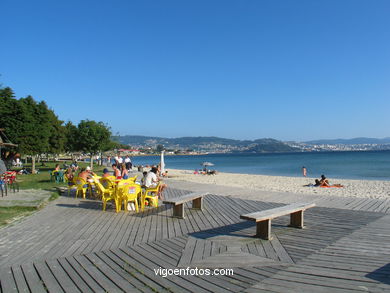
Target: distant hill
(207, 143)
(268, 145)
(358, 140)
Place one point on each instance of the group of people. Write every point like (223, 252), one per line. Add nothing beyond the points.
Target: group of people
(323, 182)
(205, 171)
(150, 179)
(118, 161)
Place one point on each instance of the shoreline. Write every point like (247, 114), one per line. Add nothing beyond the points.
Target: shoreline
(352, 187)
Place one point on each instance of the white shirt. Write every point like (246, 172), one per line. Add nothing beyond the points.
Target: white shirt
(120, 160)
(150, 179)
(127, 160)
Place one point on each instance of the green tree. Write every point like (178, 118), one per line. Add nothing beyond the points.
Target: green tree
(93, 138)
(27, 123)
(57, 138)
(71, 137)
(159, 148)
(34, 136)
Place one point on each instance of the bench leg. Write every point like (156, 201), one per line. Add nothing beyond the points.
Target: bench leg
(263, 230)
(178, 211)
(296, 220)
(197, 203)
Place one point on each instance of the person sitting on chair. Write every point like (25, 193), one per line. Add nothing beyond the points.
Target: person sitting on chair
(152, 181)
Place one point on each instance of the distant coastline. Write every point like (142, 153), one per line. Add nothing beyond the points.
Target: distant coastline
(214, 145)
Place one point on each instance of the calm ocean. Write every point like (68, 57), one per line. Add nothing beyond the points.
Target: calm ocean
(373, 165)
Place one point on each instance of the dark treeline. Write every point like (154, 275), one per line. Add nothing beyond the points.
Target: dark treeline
(37, 130)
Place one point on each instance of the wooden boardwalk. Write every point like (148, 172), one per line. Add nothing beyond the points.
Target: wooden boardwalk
(72, 246)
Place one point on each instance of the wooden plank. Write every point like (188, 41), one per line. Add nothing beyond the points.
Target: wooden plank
(110, 273)
(163, 246)
(219, 211)
(198, 250)
(32, 237)
(269, 250)
(276, 212)
(116, 232)
(136, 226)
(281, 251)
(76, 278)
(159, 256)
(125, 232)
(146, 266)
(153, 228)
(48, 278)
(263, 229)
(99, 237)
(92, 229)
(96, 274)
(33, 280)
(178, 211)
(78, 233)
(71, 231)
(184, 198)
(62, 276)
(186, 257)
(19, 279)
(7, 281)
(143, 237)
(125, 270)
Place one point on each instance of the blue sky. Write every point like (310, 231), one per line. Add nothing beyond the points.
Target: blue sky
(290, 70)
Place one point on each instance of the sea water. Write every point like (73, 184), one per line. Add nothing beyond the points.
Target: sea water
(368, 165)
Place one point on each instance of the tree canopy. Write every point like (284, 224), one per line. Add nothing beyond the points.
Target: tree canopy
(36, 129)
(93, 137)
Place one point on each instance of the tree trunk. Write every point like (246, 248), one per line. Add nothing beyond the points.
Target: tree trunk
(91, 162)
(33, 164)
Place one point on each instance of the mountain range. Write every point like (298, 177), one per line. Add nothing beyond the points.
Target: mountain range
(218, 144)
(357, 140)
(208, 143)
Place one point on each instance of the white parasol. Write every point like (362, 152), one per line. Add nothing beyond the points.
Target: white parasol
(162, 163)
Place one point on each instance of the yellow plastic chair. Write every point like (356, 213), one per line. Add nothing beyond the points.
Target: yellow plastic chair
(107, 195)
(108, 182)
(121, 190)
(70, 184)
(92, 184)
(148, 194)
(81, 185)
(130, 192)
(130, 180)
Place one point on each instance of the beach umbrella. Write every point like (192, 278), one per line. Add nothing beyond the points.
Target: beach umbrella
(162, 163)
(207, 164)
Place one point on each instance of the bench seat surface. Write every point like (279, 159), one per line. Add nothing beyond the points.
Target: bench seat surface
(276, 212)
(183, 199)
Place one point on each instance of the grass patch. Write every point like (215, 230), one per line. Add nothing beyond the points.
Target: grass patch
(35, 181)
(54, 196)
(11, 214)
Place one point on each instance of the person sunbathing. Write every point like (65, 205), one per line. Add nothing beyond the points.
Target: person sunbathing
(325, 183)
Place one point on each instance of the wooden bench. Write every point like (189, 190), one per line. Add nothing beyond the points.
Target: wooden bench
(178, 202)
(263, 218)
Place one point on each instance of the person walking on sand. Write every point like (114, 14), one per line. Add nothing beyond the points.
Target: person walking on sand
(304, 171)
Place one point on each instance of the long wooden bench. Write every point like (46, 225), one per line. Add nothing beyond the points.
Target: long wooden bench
(178, 202)
(263, 218)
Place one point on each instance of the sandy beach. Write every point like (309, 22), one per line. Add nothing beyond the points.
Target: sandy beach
(352, 188)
